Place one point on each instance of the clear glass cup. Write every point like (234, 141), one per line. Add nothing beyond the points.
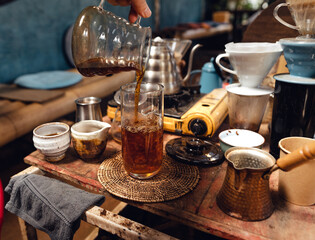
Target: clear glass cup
(247, 106)
(116, 125)
(103, 43)
(142, 129)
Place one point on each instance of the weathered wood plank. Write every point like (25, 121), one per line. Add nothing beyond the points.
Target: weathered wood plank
(121, 226)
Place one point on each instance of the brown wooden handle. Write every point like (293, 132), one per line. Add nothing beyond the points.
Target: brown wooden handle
(297, 157)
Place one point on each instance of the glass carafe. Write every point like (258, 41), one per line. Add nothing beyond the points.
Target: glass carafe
(103, 43)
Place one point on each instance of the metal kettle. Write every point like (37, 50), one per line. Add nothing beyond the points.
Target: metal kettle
(162, 67)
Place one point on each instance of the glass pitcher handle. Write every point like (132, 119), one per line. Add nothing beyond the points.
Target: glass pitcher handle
(101, 4)
(275, 14)
(137, 22)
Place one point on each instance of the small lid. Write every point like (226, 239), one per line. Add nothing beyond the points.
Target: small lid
(194, 151)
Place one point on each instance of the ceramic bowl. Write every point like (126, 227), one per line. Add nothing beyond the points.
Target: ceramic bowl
(52, 140)
(240, 138)
(299, 55)
(89, 139)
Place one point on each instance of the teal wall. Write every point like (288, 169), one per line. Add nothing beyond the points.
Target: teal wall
(32, 31)
(180, 11)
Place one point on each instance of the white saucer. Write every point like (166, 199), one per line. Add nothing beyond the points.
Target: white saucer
(236, 88)
(240, 138)
(286, 77)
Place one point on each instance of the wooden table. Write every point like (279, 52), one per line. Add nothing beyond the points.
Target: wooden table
(197, 209)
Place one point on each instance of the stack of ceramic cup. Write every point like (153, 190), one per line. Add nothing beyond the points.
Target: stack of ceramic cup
(247, 100)
(293, 113)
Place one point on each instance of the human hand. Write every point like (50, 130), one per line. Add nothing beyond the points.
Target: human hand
(138, 7)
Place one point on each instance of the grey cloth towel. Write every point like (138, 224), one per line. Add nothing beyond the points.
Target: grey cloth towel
(49, 205)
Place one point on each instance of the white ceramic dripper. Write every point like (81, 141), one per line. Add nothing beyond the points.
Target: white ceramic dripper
(251, 61)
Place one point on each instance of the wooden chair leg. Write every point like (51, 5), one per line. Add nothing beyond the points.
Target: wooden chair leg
(28, 231)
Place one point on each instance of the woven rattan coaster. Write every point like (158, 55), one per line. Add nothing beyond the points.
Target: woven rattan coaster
(174, 180)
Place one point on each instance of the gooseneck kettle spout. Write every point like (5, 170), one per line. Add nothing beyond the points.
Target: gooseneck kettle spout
(191, 56)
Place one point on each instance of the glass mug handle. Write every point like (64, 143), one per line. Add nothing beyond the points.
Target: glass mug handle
(101, 4)
(137, 22)
(217, 60)
(275, 14)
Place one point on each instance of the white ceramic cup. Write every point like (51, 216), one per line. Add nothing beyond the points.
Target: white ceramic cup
(251, 61)
(52, 139)
(297, 185)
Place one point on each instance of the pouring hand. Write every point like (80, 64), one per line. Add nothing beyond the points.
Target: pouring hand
(138, 7)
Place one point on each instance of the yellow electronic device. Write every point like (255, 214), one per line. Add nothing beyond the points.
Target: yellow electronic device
(201, 118)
